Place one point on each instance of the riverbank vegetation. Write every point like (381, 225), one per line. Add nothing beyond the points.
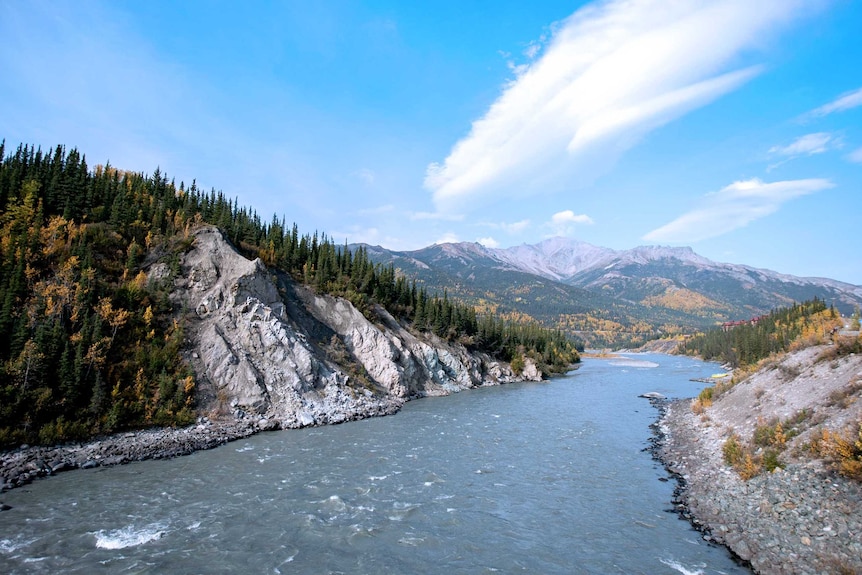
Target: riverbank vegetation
(760, 346)
(759, 343)
(800, 325)
(91, 343)
(843, 450)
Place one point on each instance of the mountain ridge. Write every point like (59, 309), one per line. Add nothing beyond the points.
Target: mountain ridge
(592, 257)
(590, 290)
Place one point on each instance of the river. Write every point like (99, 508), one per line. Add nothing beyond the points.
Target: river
(538, 478)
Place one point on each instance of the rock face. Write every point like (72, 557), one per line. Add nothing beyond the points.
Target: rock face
(266, 347)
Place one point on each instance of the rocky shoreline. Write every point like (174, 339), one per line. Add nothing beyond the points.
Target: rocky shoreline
(21, 466)
(800, 520)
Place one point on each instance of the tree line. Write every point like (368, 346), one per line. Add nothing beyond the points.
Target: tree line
(90, 344)
(746, 344)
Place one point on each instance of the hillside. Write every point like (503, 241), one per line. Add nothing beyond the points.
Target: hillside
(791, 416)
(770, 459)
(101, 331)
(608, 297)
(467, 272)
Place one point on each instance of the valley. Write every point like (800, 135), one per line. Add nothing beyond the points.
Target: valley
(610, 298)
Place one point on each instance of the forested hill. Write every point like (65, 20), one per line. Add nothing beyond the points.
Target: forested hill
(800, 325)
(88, 344)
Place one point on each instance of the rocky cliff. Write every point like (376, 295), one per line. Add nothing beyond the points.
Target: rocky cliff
(265, 347)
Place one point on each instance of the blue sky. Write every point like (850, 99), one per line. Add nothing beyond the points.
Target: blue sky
(731, 126)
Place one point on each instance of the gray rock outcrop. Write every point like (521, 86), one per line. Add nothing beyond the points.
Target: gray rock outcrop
(262, 346)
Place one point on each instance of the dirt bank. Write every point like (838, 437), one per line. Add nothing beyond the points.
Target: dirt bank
(802, 518)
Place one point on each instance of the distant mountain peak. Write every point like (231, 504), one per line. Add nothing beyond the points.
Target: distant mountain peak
(557, 257)
(574, 285)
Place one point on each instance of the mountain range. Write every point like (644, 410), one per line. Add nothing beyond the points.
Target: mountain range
(606, 296)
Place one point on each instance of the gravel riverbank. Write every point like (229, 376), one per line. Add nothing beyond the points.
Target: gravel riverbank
(21, 466)
(800, 520)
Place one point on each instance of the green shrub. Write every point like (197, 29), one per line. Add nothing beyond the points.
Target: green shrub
(518, 364)
(734, 454)
(771, 460)
(770, 435)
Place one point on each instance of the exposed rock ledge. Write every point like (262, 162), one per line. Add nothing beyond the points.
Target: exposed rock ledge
(801, 520)
(271, 354)
(262, 344)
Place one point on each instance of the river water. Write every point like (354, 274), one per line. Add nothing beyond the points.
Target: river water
(524, 478)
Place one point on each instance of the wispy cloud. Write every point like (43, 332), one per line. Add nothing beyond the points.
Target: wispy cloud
(365, 175)
(611, 73)
(807, 145)
(448, 238)
(489, 242)
(855, 156)
(564, 223)
(844, 102)
(733, 207)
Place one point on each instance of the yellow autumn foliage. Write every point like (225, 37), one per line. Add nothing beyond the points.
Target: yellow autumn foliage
(683, 299)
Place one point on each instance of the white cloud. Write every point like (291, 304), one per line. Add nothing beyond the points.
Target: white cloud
(563, 223)
(448, 238)
(516, 227)
(570, 217)
(733, 207)
(845, 102)
(807, 145)
(489, 242)
(855, 156)
(611, 73)
(533, 50)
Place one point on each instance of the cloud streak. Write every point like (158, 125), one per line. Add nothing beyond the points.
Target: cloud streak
(846, 101)
(807, 145)
(611, 73)
(509, 227)
(733, 207)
